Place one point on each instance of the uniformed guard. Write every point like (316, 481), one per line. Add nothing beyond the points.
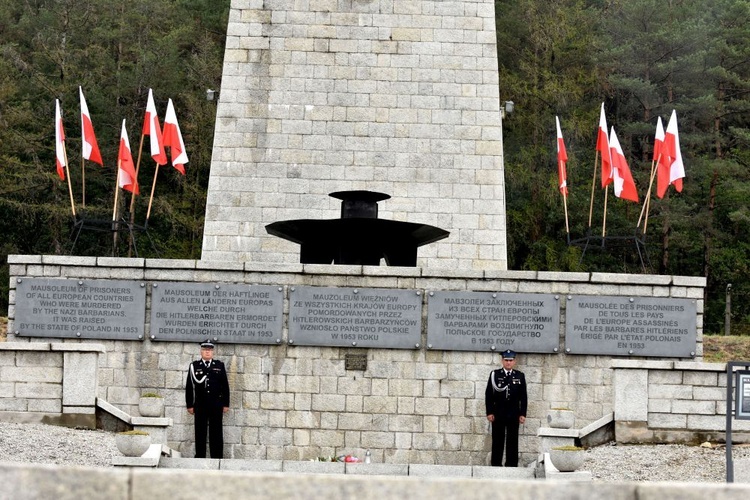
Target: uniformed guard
(207, 397)
(506, 402)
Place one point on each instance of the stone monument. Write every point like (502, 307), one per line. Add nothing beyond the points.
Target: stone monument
(320, 96)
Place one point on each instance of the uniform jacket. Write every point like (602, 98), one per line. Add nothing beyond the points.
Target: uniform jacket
(206, 387)
(510, 401)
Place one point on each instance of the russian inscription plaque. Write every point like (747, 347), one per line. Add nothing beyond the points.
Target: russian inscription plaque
(630, 326)
(87, 309)
(238, 314)
(358, 317)
(480, 321)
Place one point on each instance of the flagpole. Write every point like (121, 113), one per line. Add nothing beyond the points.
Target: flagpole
(647, 202)
(151, 199)
(70, 186)
(83, 181)
(593, 187)
(114, 209)
(132, 198)
(137, 167)
(604, 221)
(565, 204)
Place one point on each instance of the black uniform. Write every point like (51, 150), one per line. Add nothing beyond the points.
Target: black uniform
(505, 399)
(207, 392)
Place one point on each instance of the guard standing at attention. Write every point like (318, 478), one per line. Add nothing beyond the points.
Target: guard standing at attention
(207, 397)
(506, 402)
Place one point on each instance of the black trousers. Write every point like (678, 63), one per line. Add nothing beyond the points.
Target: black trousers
(209, 419)
(503, 428)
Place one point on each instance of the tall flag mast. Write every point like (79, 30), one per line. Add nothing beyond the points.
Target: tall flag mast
(61, 156)
(562, 175)
(655, 160)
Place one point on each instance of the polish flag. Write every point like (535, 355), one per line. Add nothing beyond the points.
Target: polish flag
(562, 158)
(623, 179)
(126, 172)
(59, 142)
(89, 146)
(602, 145)
(173, 139)
(152, 129)
(659, 140)
(670, 170)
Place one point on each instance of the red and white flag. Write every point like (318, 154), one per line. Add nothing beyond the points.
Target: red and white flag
(670, 170)
(59, 142)
(173, 139)
(602, 145)
(126, 172)
(622, 178)
(562, 159)
(658, 140)
(89, 146)
(152, 129)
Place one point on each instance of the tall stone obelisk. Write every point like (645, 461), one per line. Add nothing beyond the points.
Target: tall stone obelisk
(394, 96)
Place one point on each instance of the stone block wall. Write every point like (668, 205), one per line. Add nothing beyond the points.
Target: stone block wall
(672, 401)
(399, 97)
(299, 402)
(50, 382)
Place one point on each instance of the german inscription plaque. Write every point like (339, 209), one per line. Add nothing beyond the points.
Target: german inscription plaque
(630, 326)
(355, 317)
(87, 309)
(238, 314)
(480, 321)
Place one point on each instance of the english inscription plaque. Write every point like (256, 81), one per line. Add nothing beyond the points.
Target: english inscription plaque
(630, 326)
(480, 321)
(355, 317)
(237, 314)
(87, 309)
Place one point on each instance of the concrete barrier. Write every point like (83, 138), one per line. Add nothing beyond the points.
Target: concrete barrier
(32, 482)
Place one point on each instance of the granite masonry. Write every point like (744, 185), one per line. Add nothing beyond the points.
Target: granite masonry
(407, 406)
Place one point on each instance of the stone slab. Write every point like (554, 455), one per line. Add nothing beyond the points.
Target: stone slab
(429, 470)
(314, 467)
(377, 469)
(251, 465)
(148, 459)
(486, 472)
(190, 463)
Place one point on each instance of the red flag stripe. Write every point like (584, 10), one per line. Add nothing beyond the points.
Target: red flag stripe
(89, 146)
(126, 173)
(173, 138)
(59, 140)
(152, 129)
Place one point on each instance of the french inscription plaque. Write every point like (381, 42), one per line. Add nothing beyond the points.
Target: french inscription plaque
(355, 317)
(630, 326)
(480, 321)
(86, 309)
(237, 314)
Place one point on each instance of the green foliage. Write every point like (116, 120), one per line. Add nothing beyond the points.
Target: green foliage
(115, 52)
(642, 58)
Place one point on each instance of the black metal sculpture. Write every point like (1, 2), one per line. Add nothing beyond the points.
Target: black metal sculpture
(358, 237)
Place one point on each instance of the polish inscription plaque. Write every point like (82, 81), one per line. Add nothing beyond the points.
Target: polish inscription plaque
(237, 314)
(355, 317)
(631, 326)
(481, 321)
(86, 309)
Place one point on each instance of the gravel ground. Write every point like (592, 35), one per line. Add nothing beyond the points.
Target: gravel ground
(47, 444)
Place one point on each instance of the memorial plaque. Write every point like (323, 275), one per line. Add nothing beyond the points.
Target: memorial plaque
(86, 309)
(480, 321)
(237, 314)
(359, 317)
(630, 326)
(355, 362)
